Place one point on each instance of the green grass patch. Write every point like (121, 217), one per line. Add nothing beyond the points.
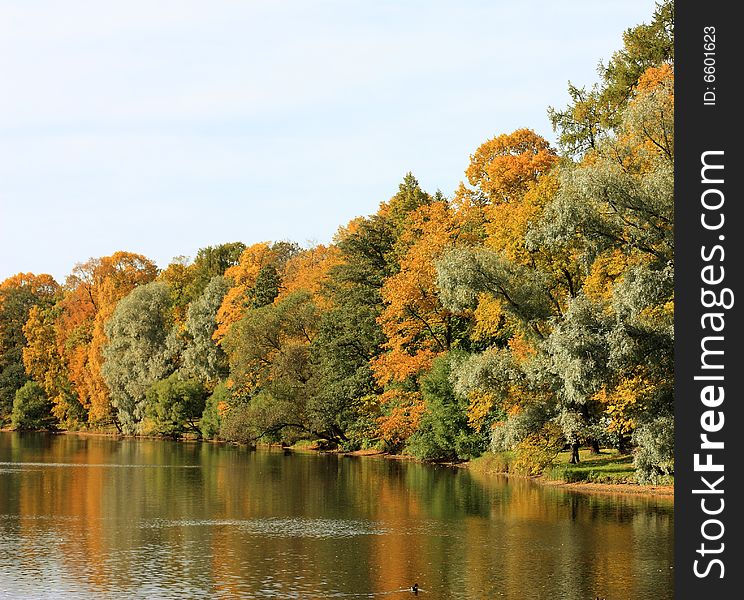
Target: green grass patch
(305, 445)
(606, 467)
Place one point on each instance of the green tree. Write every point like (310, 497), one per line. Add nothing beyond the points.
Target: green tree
(349, 335)
(211, 420)
(267, 286)
(444, 432)
(210, 262)
(203, 358)
(175, 405)
(592, 112)
(31, 408)
(142, 349)
(271, 372)
(409, 197)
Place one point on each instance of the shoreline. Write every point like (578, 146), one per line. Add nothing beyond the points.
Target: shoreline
(585, 487)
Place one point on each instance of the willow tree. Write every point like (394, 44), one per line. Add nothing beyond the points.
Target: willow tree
(142, 348)
(615, 209)
(203, 358)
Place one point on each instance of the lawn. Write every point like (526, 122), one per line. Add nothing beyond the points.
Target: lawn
(606, 467)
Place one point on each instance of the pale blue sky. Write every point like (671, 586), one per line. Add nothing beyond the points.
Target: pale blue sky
(160, 126)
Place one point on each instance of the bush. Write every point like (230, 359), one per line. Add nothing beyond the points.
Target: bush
(534, 455)
(211, 419)
(31, 408)
(175, 405)
(493, 463)
(236, 424)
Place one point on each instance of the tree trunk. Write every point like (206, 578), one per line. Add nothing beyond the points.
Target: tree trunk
(594, 445)
(336, 435)
(574, 454)
(622, 444)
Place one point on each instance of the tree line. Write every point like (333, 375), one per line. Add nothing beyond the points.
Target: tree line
(531, 311)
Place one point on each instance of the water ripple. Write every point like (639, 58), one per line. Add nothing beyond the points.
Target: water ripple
(281, 527)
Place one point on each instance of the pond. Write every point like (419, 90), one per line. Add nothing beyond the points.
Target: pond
(98, 517)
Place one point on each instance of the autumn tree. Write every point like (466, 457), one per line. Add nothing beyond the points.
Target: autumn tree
(416, 325)
(350, 337)
(187, 280)
(506, 166)
(179, 276)
(514, 289)
(618, 204)
(254, 281)
(309, 270)
(93, 290)
(594, 111)
(44, 363)
(581, 262)
(513, 175)
(18, 295)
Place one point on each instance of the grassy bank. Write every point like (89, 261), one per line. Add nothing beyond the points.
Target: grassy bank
(606, 471)
(606, 467)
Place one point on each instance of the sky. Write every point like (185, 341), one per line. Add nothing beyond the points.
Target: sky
(160, 127)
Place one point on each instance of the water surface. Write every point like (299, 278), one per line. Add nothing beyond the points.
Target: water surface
(93, 517)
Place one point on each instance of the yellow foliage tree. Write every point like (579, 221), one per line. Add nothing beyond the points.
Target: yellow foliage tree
(243, 278)
(179, 276)
(44, 363)
(506, 166)
(18, 295)
(308, 271)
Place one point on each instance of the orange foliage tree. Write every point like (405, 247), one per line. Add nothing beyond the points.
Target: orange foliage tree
(309, 271)
(417, 327)
(244, 277)
(505, 167)
(93, 289)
